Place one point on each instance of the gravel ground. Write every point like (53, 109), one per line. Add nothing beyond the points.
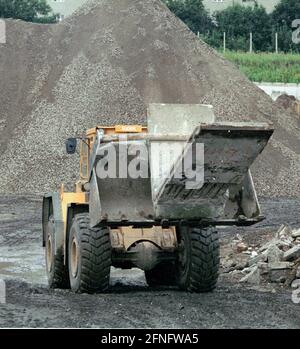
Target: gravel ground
(130, 302)
(230, 306)
(104, 65)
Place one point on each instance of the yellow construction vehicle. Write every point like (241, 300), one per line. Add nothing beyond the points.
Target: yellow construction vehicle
(132, 208)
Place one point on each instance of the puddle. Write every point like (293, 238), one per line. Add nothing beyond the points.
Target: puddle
(26, 262)
(23, 262)
(5, 265)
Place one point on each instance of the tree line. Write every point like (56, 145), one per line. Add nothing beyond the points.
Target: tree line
(239, 21)
(236, 21)
(28, 10)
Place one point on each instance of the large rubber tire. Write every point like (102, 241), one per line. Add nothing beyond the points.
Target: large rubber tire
(199, 259)
(89, 256)
(163, 274)
(57, 271)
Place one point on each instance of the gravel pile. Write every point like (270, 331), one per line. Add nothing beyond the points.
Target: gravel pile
(104, 65)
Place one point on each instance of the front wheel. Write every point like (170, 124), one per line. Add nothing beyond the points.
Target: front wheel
(198, 259)
(89, 254)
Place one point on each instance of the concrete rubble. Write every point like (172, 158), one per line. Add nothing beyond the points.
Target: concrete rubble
(276, 261)
(296, 234)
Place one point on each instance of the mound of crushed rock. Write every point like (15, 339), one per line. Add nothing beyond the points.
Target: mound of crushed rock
(104, 65)
(290, 103)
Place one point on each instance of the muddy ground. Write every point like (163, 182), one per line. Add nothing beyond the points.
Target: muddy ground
(130, 302)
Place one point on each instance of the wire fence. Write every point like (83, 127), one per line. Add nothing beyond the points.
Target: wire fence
(281, 41)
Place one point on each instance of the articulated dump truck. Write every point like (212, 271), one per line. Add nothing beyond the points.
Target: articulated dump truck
(152, 198)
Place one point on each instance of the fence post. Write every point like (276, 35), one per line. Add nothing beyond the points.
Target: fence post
(2, 32)
(276, 42)
(2, 292)
(224, 42)
(251, 43)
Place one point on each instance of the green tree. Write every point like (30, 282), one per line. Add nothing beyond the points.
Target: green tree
(238, 21)
(192, 13)
(27, 10)
(283, 15)
(285, 12)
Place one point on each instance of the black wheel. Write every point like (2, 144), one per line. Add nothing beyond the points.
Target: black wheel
(89, 255)
(57, 271)
(198, 259)
(163, 274)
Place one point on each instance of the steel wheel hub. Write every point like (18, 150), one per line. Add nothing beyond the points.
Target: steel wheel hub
(49, 254)
(74, 257)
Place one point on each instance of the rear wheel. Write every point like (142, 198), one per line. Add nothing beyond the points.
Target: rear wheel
(163, 274)
(89, 255)
(57, 271)
(198, 259)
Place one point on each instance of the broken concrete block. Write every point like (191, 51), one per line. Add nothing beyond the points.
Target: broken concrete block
(259, 258)
(268, 244)
(296, 233)
(248, 270)
(241, 247)
(276, 233)
(281, 265)
(292, 253)
(263, 268)
(284, 230)
(288, 240)
(229, 266)
(284, 244)
(247, 252)
(253, 277)
(279, 272)
(241, 266)
(274, 254)
(237, 238)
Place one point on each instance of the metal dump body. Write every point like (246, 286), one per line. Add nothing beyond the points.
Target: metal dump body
(205, 180)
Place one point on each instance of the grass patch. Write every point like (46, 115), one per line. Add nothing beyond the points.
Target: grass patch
(267, 67)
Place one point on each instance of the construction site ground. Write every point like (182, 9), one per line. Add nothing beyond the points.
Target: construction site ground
(130, 303)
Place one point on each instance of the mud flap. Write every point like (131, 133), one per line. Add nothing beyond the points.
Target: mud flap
(53, 199)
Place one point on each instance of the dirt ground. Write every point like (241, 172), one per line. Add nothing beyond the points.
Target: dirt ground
(130, 303)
